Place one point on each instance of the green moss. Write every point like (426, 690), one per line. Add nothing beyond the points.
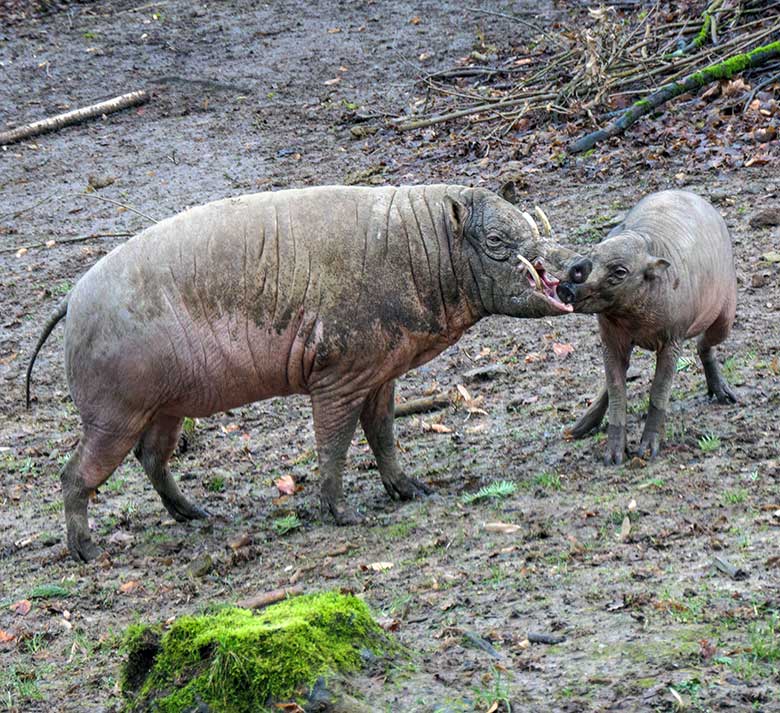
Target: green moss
(237, 661)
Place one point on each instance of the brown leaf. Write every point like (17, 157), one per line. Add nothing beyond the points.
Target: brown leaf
(562, 350)
(130, 586)
(331, 82)
(415, 20)
(439, 428)
(22, 607)
(241, 541)
(6, 636)
(285, 485)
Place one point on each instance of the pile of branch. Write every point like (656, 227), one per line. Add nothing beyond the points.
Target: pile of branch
(595, 71)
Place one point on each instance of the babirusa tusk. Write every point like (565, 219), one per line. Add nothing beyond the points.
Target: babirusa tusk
(545, 222)
(532, 224)
(532, 271)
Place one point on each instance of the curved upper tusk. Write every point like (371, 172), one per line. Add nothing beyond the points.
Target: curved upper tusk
(545, 222)
(531, 224)
(532, 270)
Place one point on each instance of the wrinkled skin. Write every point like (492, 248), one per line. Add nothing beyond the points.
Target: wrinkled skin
(331, 292)
(666, 274)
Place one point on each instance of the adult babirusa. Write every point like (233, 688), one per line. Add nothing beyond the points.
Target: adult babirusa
(331, 292)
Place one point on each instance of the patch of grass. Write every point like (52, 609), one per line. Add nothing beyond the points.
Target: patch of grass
(652, 483)
(762, 659)
(116, 484)
(641, 406)
(493, 691)
(548, 481)
(288, 523)
(709, 443)
(683, 364)
(48, 591)
(495, 491)
(62, 288)
(400, 531)
(734, 496)
(307, 456)
(215, 484)
(18, 685)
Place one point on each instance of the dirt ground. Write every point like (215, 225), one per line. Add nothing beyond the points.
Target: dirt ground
(617, 562)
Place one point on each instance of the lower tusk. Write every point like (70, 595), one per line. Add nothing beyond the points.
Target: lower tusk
(532, 271)
(545, 222)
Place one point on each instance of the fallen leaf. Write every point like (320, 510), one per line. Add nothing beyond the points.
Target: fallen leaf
(241, 541)
(532, 357)
(504, 528)
(625, 529)
(632, 505)
(285, 485)
(771, 256)
(21, 251)
(380, 566)
(290, 708)
(439, 428)
(562, 350)
(388, 623)
(331, 82)
(5, 637)
(22, 607)
(120, 537)
(334, 30)
(129, 586)
(415, 20)
(464, 392)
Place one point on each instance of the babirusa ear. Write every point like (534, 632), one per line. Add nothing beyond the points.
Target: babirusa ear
(655, 267)
(509, 192)
(457, 213)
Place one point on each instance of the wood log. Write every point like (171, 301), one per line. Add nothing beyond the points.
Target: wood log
(73, 117)
(436, 402)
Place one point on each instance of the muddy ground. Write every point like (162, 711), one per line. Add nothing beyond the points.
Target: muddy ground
(618, 561)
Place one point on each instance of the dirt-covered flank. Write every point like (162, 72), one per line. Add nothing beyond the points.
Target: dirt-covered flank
(615, 568)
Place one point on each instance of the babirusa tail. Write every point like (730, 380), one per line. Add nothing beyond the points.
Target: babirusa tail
(50, 325)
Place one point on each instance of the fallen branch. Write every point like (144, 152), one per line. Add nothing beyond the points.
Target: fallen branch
(722, 70)
(423, 405)
(439, 118)
(259, 601)
(64, 241)
(73, 117)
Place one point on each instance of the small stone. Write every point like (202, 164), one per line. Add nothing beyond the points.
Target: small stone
(765, 217)
(201, 565)
(759, 279)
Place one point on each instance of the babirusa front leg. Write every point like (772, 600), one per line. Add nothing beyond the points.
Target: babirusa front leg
(665, 364)
(617, 354)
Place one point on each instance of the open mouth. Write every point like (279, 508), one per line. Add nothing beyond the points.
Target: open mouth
(544, 283)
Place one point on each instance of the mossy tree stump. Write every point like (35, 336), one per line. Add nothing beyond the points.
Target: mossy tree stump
(238, 661)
